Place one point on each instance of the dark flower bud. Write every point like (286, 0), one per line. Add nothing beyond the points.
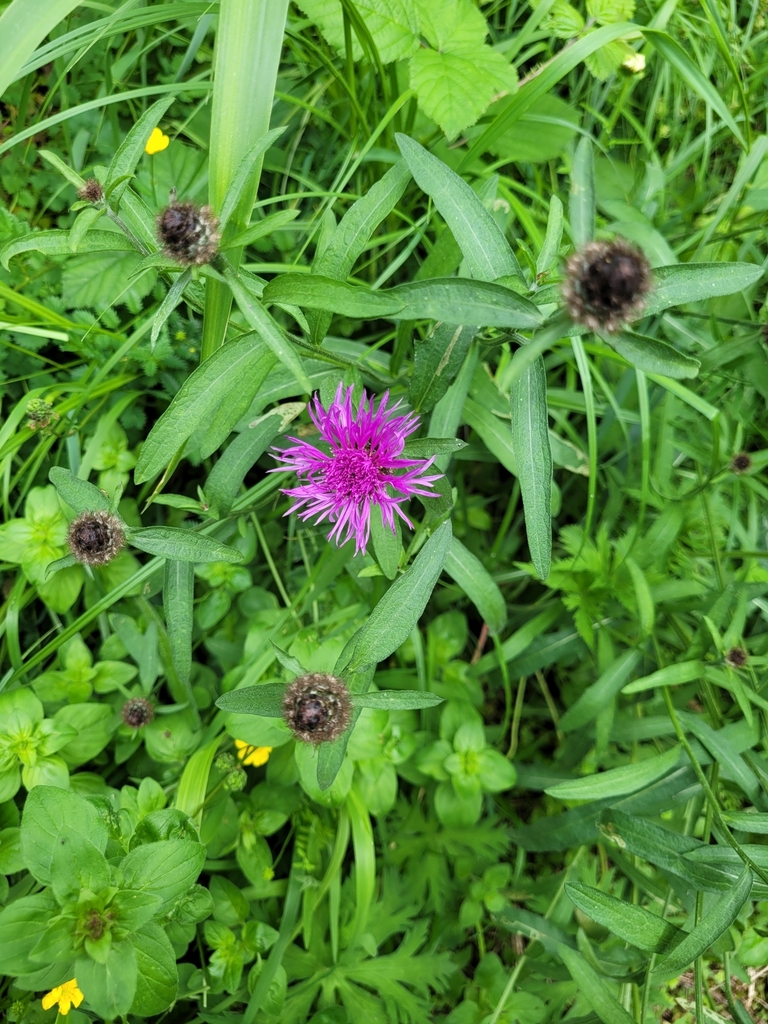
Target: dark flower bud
(91, 191)
(137, 712)
(317, 708)
(95, 538)
(741, 462)
(188, 233)
(606, 284)
(736, 657)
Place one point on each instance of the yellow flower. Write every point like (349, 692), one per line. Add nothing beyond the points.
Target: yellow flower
(255, 756)
(635, 63)
(157, 142)
(65, 995)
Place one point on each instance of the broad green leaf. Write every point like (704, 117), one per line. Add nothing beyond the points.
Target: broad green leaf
(436, 361)
(193, 784)
(709, 929)
(181, 545)
(396, 700)
(629, 778)
(109, 987)
(49, 810)
(158, 978)
(237, 406)
(129, 152)
(393, 618)
(597, 696)
(22, 924)
(166, 869)
(393, 25)
(229, 472)
(581, 206)
(533, 459)
(178, 598)
(671, 675)
(474, 579)
(265, 700)
(482, 242)
(653, 355)
(748, 821)
(592, 987)
(243, 180)
(78, 494)
(56, 243)
(269, 329)
(628, 921)
(682, 283)
(197, 399)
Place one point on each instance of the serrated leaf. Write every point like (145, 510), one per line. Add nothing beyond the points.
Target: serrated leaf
(396, 700)
(78, 494)
(608, 12)
(265, 701)
(99, 280)
(197, 399)
(474, 579)
(447, 23)
(629, 778)
(393, 25)
(533, 458)
(181, 545)
(606, 60)
(630, 922)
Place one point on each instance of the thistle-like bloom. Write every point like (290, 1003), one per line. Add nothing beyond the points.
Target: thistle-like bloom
(606, 284)
(362, 468)
(317, 708)
(95, 538)
(188, 234)
(66, 995)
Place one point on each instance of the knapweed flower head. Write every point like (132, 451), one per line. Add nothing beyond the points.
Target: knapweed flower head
(361, 468)
(91, 191)
(606, 284)
(137, 712)
(95, 538)
(317, 707)
(65, 996)
(188, 234)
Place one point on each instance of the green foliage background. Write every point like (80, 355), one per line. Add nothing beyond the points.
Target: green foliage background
(577, 830)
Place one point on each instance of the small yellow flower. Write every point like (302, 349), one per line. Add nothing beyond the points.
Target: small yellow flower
(250, 755)
(65, 995)
(157, 142)
(635, 63)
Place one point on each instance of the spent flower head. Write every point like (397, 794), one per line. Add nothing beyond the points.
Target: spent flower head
(91, 191)
(361, 468)
(736, 657)
(606, 284)
(137, 712)
(741, 462)
(188, 234)
(95, 538)
(317, 707)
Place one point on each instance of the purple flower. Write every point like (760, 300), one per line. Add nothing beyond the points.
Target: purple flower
(361, 469)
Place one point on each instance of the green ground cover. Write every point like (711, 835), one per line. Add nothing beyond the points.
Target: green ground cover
(523, 776)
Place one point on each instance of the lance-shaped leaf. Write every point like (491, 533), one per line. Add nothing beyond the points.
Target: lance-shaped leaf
(266, 700)
(78, 494)
(129, 152)
(653, 355)
(630, 922)
(474, 579)
(246, 174)
(628, 778)
(181, 545)
(178, 596)
(57, 243)
(533, 458)
(396, 700)
(582, 198)
(592, 987)
(695, 282)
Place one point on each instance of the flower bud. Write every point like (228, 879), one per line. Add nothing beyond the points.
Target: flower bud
(188, 234)
(95, 538)
(736, 658)
(606, 284)
(137, 712)
(317, 708)
(741, 462)
(236, 780)
(91, 191)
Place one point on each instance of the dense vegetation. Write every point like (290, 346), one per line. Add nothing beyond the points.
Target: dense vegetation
(535, 786)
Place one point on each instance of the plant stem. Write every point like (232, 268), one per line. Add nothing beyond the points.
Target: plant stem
(248, 44)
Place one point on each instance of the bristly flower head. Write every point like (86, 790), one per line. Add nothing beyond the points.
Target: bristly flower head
(137, 712)
(736, 657)
(91, 191)
(188, 234)
(362, 468)
(95, 538)
(317, 708)
(741, 462)
(606, 284)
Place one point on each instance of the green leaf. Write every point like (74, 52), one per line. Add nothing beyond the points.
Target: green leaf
(550, 249)
(158, 980)
(172, 298)
(266, 226)
(748, 821)
(628, 921)
(653, 355)
(474, 579)
(593, 989)
(495, 434)
(597, 696)
(393, 618)
(387, 543)
(77, 864)
(629, 778)
(436, 361)
(78, 494)
(268, 328)
(481, 240)
(672, 675)
(64, 169)
(23, 26)
(111, 986)
(682, 283)
(709, 929)
(165, 869)
(131, 148)
(178, 597)
(393, 25)
(396, 700)
(315, 292)
(582, 199)
(195, 402)
(458, 300)
(48, 812)
(245, 179)
(22, 923)
(229, 472)
(426, 447)
(182, 545)
(56, 243)
(265, 700)
(533, 458)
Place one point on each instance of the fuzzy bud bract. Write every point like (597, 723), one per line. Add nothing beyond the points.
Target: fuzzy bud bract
(606, 284)
(317, 708)
(95, 538)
